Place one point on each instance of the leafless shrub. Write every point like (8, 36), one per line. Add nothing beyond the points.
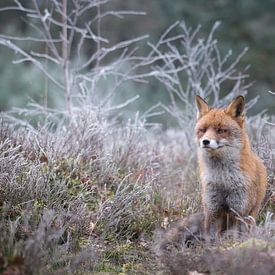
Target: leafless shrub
(58, 28)
(43, 204)
(182, 249)
(178, 177)
(193, 65)
(127, 213)
(242, 261)
(179, 249)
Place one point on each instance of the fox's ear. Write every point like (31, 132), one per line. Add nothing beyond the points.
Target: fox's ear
(236, 107)
(202, 107)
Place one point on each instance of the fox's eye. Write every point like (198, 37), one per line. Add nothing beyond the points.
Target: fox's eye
(221, 131)
(202, 130)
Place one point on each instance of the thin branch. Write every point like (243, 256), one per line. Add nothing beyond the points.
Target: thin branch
(45, 56)
(48, 34)
(65, 56)
(28, 57)
(29, 38)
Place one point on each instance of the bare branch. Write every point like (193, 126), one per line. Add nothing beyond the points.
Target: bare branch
(29, 38)
(45, 56)
(28, 57)
(48, 34)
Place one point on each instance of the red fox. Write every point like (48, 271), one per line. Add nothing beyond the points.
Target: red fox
(233, 178)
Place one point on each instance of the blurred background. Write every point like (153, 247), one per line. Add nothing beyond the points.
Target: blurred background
(244, 23)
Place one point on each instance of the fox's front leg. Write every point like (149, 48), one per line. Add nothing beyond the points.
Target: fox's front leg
(209, 220)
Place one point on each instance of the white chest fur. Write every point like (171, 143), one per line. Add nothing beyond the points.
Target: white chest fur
(225, 184)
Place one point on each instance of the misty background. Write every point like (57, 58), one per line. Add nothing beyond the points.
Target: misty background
(243, 24)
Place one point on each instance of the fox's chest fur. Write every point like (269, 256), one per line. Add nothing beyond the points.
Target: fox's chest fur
(225, 185)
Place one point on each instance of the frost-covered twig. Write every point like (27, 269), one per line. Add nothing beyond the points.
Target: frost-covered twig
(190, 65)
(58, 27)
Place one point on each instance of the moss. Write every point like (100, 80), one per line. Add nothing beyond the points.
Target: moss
(123, 258)
(256, 243)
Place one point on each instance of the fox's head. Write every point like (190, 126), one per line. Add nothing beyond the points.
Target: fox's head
(219, 130)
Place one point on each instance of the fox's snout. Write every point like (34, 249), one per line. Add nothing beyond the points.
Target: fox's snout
(211, 143)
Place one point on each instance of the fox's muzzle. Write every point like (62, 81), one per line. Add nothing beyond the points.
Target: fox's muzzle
(211, 144)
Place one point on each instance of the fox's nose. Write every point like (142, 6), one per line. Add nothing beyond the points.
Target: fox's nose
(205, 142)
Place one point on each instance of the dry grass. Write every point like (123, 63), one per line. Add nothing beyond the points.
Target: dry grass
(89, 197)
